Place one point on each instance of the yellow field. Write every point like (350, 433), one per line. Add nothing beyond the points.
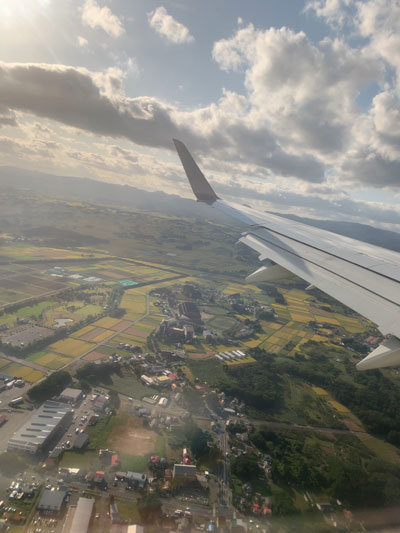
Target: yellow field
(34, 376)
(327, 320)
(320, 391)
(19, 371)
(296, 293)
(71, 347)
(25, 372)
(106, 322)
(284, 334)
(303, 318)
(338, 406)
(4, 362)
(53, 360)
(252, 343)
(103, 335)
(83, 331)
(273, 325)
(319, 338)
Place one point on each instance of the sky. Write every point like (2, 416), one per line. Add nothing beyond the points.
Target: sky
(288, 105)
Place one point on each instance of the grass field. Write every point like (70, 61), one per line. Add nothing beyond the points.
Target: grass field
(237, 362)
(130, 386)
(134, 303)
(26, 312)
(71, 347)
(383, 450)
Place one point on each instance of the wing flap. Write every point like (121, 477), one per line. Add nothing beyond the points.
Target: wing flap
(384, 313)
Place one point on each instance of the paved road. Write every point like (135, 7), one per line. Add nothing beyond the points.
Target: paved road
(25, 362)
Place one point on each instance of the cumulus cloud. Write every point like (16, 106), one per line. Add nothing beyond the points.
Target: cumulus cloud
(165, 25)
(373, 156)
(95, 16)
(307, 92)
(96, 102)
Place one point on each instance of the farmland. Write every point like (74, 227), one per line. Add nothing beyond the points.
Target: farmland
(71, 347)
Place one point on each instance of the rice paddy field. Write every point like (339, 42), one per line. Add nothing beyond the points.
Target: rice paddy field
(50, 360)
(22, 371)
(292, 325)
(135, 304)
(71, 347)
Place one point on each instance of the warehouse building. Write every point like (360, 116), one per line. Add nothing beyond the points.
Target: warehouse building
(52, 501)
(72, 396)
(82, 516)
(41, 429)
(184, 471)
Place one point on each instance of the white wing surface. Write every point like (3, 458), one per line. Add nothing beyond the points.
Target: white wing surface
(364, 277)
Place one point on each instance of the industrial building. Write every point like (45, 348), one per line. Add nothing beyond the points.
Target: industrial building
(39, 431)
(137, 479)
(71, 396)
(52, 501)
(82, 516)
(184, 471)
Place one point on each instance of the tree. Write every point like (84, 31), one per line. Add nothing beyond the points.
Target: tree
(53, 385)
(245, 467)
(149, 506)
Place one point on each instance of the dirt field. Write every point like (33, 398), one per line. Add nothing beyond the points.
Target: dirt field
(132, 438)
(94, 356)
(199, 356)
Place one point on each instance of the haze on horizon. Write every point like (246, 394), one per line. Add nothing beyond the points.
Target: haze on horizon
(290, 107)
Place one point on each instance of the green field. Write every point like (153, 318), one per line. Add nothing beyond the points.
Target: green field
(130, 386)
(29, 311)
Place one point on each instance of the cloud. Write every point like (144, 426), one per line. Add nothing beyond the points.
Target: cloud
(82, 41)
(95, 16)
(96, 102)
(306, 91)
(335, 12)
(164, 24)
(7, 117)
(320, 206)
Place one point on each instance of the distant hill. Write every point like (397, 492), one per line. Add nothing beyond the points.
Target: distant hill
(99, 192)
(93, 191)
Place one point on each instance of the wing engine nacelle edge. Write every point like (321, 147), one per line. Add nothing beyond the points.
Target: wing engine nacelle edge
(270, 272)
(386, 355)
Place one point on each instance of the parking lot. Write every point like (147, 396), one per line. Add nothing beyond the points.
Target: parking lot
(82, 414)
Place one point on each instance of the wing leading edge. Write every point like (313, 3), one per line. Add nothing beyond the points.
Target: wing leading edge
(364, 277)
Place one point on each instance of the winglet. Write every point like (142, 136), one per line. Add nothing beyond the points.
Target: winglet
(200, 186)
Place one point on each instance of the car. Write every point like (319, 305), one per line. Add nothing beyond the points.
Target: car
(97, 516)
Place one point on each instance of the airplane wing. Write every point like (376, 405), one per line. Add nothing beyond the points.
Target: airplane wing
(364, 277)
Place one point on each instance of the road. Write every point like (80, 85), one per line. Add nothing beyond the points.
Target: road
(25, 362)
(105, 341)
